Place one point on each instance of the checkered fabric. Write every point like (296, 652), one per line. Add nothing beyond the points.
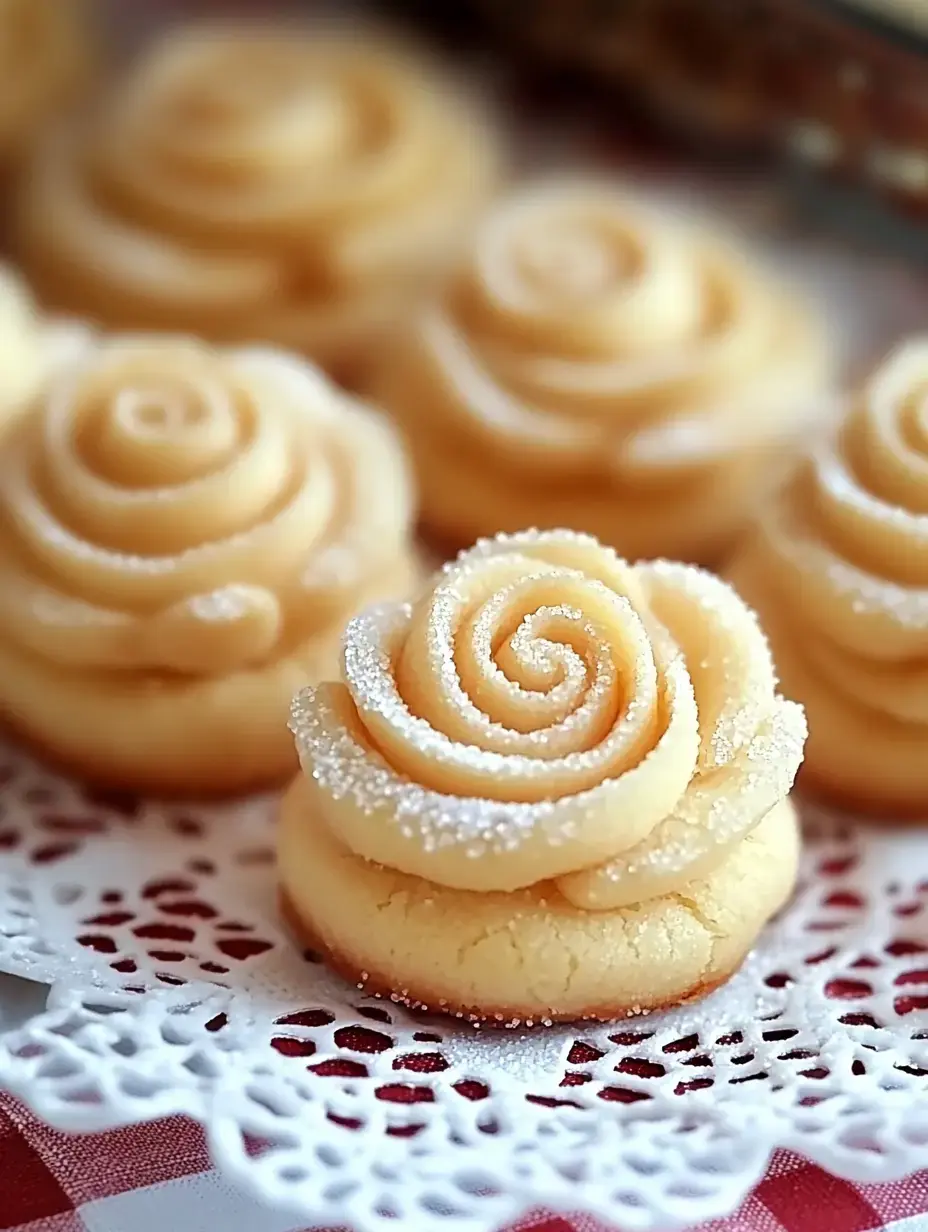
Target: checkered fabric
(149, 1177)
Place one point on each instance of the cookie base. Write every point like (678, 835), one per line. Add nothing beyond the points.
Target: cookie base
(168, 738)
(465, 494)
(175, 736)
(379, 987)
(857, 759)
(106, 781)
(528, 957)
(865, 806)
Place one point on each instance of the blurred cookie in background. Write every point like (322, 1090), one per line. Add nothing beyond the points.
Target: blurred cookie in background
(598, 364)
(184, 531)
(837, 568)
(275, 183)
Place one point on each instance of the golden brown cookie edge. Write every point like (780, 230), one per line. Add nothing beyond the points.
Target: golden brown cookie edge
(373, 984)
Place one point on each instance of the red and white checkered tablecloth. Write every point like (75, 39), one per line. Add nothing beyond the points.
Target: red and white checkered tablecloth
(156, 1176)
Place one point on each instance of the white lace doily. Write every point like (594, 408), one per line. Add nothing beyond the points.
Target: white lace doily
(175, 990)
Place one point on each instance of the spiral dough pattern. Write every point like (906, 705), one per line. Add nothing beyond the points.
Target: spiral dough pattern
(548, 715)
(172, 517)
(598, 366)
(838, 566)
(294, 187)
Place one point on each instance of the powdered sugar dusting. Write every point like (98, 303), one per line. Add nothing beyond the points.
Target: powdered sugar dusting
(492, 624)
(718, 808)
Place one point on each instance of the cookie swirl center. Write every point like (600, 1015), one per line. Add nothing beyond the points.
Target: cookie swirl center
(266, 107)
(521, 678)
(161, 432)
(570, 261)
(557, 712)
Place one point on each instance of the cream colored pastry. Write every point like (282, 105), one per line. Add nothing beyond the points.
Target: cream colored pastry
(31, 347)
(554, 788)
(242, 184)
(183, 532)
(838, 568)
(44, 64)
(596, 365)
(21, 344)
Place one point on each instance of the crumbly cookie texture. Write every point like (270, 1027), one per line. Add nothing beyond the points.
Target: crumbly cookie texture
(837, 565)
(594, 363)
(555, 787)
(286, 185)
(183, 532)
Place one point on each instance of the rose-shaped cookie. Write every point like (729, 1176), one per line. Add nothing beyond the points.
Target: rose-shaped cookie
(838, 567)
(183, 532)
(287, 186)
(595, 365)
(555, 787)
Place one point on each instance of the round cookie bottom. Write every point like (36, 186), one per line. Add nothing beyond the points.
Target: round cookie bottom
(342, 345)
(529, 956)
(463, 497)
(856, 759)
(173, 736)
(161, 736)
